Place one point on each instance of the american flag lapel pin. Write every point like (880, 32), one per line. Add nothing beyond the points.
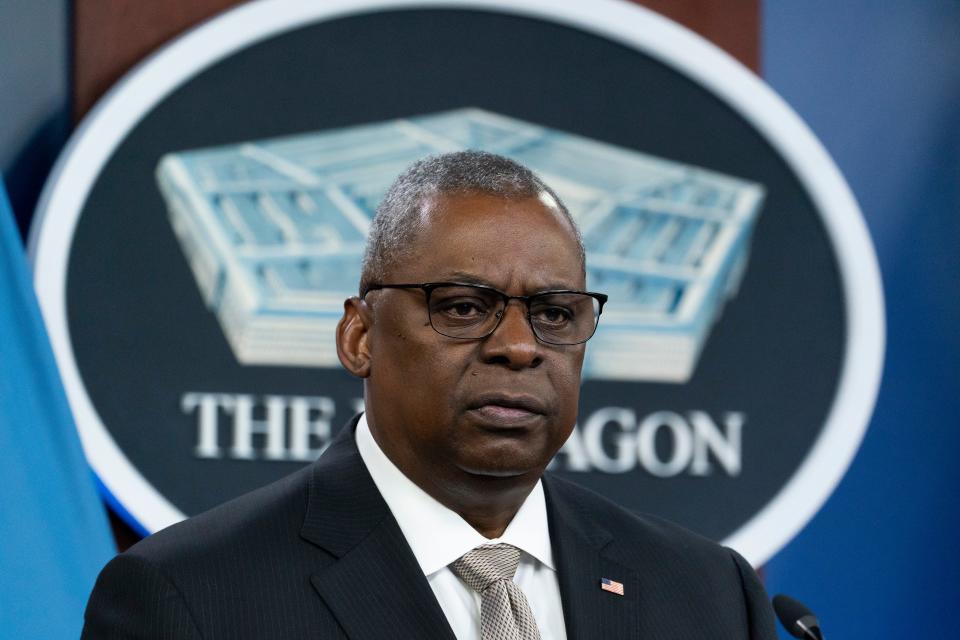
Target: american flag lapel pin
(612, 586)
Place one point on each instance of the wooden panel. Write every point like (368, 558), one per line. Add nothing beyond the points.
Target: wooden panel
(732, 25)
(111, 36)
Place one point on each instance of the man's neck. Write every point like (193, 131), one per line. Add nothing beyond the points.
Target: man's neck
(490, 505)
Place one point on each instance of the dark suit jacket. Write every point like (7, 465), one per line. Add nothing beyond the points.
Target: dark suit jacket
(319, 555)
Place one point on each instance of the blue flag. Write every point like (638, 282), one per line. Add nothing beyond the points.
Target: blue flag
(54, 536)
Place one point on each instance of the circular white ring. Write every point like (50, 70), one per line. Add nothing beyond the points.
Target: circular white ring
(94, 142)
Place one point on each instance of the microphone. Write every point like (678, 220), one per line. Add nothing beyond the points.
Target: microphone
(797, 618)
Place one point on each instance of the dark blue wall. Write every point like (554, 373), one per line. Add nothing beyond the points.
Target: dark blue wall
(879, 83)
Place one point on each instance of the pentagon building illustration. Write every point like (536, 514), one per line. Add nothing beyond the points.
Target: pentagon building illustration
(274, 232)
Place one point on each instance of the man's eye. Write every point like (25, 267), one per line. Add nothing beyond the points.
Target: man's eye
(553, 315)
(462, 308)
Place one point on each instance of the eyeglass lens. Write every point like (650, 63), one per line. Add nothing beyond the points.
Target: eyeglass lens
(474, 312)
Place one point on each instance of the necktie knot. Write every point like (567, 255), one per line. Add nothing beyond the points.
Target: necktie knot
(484, 566)
(504, 611)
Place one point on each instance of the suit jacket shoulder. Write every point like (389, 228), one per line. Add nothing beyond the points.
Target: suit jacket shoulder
(685, 585)
(224, 573)
(250, 522)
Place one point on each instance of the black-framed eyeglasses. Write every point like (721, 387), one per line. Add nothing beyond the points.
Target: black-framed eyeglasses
(474, 311)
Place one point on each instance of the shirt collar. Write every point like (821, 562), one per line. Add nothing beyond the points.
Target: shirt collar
(437, 535)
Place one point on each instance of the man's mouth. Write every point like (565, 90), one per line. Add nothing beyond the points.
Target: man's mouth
(508, 409)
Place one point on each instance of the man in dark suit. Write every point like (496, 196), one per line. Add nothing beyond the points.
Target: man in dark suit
(430, 516)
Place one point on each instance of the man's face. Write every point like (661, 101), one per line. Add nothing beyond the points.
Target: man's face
(498, 406)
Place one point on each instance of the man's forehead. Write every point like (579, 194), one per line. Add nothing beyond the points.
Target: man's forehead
(498, 241)
(443, 210)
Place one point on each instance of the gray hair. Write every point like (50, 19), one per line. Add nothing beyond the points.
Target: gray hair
(398, 216)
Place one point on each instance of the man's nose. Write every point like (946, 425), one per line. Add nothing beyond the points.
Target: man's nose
(513, 343)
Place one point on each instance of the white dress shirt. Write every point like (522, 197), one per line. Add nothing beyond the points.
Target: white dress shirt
(438, 536)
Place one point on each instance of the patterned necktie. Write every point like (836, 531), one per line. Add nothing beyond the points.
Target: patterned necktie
(504, 612)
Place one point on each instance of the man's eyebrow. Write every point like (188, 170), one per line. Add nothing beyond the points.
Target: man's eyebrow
(468, 278)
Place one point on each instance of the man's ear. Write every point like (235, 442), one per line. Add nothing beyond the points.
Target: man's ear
(353, 332)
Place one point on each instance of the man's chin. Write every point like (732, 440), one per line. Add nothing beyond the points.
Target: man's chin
(504, 466)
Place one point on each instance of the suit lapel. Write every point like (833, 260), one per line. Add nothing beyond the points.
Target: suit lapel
(378, 591)
(375, 588)
(578, 544)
